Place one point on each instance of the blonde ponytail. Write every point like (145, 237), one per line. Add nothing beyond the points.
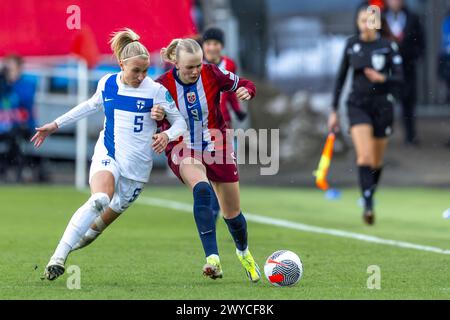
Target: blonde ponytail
(172, 52)
(125, 45)
(169, 54)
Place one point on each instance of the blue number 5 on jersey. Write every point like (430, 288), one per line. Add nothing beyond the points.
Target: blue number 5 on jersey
(138, 123)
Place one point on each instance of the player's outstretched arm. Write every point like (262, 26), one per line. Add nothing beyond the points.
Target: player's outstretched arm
(79, 112)
(43, 132)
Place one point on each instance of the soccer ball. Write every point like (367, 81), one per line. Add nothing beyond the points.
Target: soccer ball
(283, 268)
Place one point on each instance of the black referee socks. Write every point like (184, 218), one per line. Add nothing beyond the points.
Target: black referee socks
(376, 176)
(367, 185)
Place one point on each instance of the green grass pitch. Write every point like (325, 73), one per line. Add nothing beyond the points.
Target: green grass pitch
(154, 253)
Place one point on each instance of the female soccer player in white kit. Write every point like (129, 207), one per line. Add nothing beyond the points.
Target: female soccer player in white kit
(122, 159)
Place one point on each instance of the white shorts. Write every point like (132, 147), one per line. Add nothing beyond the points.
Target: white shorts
(126, 191)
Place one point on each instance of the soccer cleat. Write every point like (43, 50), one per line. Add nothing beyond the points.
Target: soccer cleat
(249, 264)
(212, 268)
(369, 217)
(54, 269)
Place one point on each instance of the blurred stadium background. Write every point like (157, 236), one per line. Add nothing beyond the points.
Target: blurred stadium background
(292, 50)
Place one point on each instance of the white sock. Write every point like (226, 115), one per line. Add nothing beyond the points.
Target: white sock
(87, 239)
(91, 234)
(77, 227)
(62, 250)
(100, 224)
(80, 223)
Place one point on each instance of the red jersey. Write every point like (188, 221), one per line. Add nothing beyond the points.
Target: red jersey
(199, 103)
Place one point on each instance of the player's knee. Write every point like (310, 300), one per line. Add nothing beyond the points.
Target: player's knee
(99, 201)
(203, 189)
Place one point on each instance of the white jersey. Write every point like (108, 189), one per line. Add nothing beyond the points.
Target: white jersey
(128, 127)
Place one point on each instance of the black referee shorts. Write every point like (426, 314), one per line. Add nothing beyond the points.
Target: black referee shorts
(375, 110)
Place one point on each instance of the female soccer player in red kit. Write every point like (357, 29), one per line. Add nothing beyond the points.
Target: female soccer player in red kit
(196, 89)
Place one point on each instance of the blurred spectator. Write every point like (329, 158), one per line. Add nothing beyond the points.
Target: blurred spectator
(408, 33)
(16, 114)
(444, 56)
(213, 44)
(197, 15)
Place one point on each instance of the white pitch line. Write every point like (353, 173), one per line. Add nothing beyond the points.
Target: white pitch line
(180, 206)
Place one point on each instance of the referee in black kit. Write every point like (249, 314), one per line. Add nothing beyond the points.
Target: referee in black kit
(377, 70)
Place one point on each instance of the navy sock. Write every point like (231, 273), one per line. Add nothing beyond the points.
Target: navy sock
(204, 218)
(215, 206)
(366, 182)
(238, 229)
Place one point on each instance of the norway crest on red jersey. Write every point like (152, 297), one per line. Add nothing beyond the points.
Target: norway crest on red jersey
(191, 97)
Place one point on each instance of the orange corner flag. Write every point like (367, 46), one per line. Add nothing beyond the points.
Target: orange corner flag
(324, 163)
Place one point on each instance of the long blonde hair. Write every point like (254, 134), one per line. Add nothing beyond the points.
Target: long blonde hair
(172, 52)
(125, 45)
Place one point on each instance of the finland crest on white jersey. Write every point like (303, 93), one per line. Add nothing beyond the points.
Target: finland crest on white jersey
(128, 128)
